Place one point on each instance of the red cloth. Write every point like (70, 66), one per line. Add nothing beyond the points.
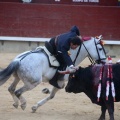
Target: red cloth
(85, 38)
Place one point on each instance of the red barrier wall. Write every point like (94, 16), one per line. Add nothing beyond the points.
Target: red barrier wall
(47, 20)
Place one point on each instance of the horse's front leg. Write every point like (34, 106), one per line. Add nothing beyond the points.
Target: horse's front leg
(12, 88)
(61, 84)
(43, 101)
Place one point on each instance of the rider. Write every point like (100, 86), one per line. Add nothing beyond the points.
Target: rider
(61, 45)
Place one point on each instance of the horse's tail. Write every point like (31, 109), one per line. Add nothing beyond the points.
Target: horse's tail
(6, 73)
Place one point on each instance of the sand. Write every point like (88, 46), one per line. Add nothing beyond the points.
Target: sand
(65, 106)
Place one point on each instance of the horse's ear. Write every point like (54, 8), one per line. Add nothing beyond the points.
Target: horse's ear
(99, 37)
(102, 42)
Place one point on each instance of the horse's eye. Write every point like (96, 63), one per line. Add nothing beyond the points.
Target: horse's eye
(100, 48)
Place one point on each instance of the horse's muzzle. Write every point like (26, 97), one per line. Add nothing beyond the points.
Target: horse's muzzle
(103, 61)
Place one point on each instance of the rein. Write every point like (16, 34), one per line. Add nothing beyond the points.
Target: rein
(77, 54)
(89, 56)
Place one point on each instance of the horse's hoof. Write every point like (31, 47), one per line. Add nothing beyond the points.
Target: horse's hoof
(46, 91)
(34, 108)
(15, 105)
(23, 106)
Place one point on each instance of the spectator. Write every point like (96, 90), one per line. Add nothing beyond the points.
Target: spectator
(118, 2)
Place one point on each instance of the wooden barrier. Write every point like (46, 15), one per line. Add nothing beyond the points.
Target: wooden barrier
(19, 44)
(22, 44)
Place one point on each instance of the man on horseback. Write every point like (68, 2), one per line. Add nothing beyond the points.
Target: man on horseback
(62, 43)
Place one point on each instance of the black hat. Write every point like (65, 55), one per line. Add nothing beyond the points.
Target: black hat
(76, 30)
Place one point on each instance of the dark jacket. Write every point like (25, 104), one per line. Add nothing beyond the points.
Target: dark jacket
(63, 43)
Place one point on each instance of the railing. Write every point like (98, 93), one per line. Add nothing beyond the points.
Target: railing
(21, 44)
(30, 39)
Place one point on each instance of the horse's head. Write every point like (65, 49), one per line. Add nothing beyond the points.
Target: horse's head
(92, 48)
(100, 49)
(95, 49)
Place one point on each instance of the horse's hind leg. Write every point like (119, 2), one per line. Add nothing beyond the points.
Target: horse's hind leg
(19, 93)
(43, 101)
(12, 88)
(23, 89)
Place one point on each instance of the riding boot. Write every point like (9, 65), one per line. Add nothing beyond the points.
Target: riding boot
(61, 76)
(61, 68)
(56, 77)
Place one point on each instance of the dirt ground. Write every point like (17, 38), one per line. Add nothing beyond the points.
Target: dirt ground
(65, 106)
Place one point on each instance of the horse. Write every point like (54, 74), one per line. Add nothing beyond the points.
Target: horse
(31, 66)
(87, 80)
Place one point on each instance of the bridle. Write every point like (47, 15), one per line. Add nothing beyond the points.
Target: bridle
(89, 56)
(100, 59)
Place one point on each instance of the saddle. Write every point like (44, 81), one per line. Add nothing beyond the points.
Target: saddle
(47, 49)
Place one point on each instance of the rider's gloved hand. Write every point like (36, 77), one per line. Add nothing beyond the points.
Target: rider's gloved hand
(72, 68)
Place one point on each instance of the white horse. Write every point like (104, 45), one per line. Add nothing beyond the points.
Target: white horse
(31, 66)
